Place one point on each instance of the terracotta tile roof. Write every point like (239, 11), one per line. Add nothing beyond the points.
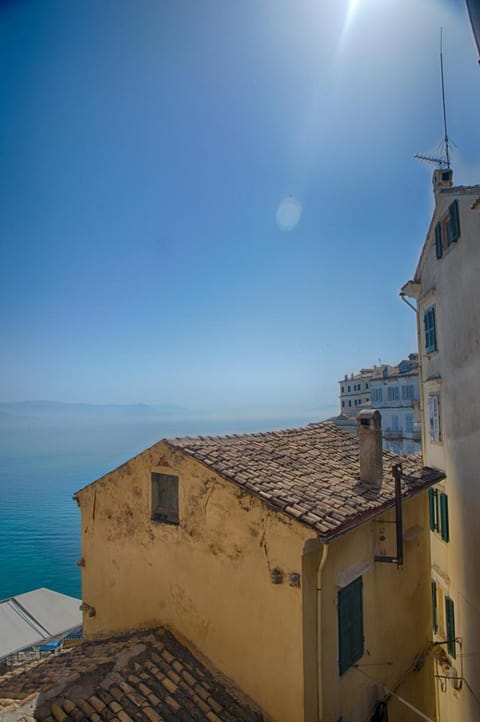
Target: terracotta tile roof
(312, 473)
(145, 676)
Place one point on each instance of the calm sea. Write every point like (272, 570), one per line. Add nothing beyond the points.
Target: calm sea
(42, 463)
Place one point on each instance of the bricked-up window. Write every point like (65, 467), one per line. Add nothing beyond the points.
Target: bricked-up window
(165, 498)
(350, 624)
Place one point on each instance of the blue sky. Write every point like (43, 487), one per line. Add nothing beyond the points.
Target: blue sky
(145, 150)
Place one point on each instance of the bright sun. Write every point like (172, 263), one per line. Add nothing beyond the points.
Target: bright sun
(349, 17)
(352, 6)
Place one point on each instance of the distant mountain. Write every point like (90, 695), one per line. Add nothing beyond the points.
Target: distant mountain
(58, 409)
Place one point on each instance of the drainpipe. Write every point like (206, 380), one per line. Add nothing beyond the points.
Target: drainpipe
(398, 560)
(318, 631)
(314, 558)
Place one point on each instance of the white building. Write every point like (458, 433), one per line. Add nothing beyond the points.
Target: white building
(446, 287)
(355, 392)
(395, 393)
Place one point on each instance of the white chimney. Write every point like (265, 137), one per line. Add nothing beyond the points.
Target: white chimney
(370, 442)
(442, 179)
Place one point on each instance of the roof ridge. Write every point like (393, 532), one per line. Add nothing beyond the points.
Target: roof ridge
(311, 473)
(248, 435)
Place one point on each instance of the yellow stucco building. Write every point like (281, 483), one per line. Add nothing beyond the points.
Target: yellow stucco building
(262, 550)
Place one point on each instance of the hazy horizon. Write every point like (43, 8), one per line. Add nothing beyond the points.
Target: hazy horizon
(50, 409)
(217, 205)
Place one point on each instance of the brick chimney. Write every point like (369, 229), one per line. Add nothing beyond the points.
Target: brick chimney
(370, 441)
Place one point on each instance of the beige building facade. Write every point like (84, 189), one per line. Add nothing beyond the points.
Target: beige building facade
(261, 551)
(446, 290)
(355, 392)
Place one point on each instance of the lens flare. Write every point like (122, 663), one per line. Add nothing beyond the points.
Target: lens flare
(288, 213)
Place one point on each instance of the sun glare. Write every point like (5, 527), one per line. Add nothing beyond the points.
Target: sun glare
(349, 17)
(352, 9)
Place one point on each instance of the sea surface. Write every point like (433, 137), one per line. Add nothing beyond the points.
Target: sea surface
(43, 462)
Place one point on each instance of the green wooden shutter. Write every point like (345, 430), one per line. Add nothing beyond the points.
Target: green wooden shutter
(344, 622)
(434, 606)
(438, 240)
(430, 330)
(433, 508)
(350, 624)
(444, 530)
(455, 221)
(450, 621)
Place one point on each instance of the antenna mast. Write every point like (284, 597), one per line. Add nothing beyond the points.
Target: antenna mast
(445, 139)
(442, 160)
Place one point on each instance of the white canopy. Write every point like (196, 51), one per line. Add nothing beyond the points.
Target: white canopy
(35, 618)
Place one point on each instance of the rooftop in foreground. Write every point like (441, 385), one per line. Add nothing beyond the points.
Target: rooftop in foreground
(145, 676)
(311, 473)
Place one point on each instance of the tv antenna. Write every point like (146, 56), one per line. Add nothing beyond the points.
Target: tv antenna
(445, 159)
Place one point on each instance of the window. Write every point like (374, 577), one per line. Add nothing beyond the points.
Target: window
(343, 403)
(349, 389)
(450, 624)
(434, 607)
(343, 389)
(350, 403)
(408, 393)
(395, 423)
(434, 417)
(350, 624)
(393, 393)
(438, 508)
(444, 530)
(452, 224)
(438, 241)
(433, 509)
(408, 422)
(165, 498)
(376, 395)
(430, 330)
(447, 231)
(366, 386)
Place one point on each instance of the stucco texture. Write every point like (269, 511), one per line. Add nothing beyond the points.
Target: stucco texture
(397, 620)
(209, 577)
(451, 285)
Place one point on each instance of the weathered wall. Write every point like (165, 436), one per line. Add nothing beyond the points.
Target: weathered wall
(209, 577)
(397, 619)
(452, 285)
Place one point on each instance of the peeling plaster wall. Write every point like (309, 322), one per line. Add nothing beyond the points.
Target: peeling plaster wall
(208, 578)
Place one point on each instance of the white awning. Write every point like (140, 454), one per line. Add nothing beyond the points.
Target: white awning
(35, 618)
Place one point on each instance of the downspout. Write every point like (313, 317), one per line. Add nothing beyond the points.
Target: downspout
(314, 558)
(318, 631)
